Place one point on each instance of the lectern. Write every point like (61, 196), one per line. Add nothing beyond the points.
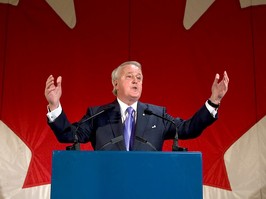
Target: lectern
(126, 175)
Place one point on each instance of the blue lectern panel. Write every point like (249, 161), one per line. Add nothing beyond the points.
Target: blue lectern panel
(126, 175)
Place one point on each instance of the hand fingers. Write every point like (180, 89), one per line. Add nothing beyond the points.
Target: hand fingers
(226, 78)
(50, 86)
(49, 89)
(49, 79)
(216, 79)
(59, 81)
(49, 82)
(225, 81)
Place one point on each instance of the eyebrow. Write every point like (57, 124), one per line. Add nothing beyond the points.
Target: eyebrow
(133, 72)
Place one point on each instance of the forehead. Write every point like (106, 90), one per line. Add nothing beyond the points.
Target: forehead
(130, 68)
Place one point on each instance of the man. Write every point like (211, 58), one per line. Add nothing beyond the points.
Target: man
(148, 130)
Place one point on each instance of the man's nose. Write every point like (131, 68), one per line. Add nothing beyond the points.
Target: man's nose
(134, 79)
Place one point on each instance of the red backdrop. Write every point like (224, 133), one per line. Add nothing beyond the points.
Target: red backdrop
(179, 66)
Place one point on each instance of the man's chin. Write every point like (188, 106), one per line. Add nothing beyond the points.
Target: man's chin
(135, 97)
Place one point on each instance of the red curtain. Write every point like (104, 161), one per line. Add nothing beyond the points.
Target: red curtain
(179, 67)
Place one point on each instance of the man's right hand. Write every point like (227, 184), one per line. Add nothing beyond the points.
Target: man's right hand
(53, 92)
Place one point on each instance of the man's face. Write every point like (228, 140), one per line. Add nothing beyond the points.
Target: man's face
(129, 84)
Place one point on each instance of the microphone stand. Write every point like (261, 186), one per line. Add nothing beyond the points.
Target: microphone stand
(76, 144)
(175, 146)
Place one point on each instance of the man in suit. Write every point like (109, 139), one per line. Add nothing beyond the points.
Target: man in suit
(148, 130)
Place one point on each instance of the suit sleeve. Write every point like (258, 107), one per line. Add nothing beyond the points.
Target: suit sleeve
(65, 131)
(193, 127)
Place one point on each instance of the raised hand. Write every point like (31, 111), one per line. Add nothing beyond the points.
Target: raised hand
(53, 92)
(219, 89)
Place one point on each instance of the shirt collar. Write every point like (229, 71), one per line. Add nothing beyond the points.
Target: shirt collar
(124, 106)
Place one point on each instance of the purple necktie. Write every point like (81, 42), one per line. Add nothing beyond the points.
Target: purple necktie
(129, 128)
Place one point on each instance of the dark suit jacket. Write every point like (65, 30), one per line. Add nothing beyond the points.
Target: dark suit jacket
(105, 131)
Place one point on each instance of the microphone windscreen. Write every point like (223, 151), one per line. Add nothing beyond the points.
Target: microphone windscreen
(148, 112)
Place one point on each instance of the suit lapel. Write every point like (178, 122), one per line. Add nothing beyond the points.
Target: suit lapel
(116, 124)
(141, 123)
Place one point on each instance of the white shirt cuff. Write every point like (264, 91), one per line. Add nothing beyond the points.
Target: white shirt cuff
(52, 115)
(213, 111)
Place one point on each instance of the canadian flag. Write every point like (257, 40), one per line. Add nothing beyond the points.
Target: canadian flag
(181, 45)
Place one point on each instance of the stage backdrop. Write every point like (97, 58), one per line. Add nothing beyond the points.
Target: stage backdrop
(181, 45)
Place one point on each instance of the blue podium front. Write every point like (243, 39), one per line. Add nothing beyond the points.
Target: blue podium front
(126, 175)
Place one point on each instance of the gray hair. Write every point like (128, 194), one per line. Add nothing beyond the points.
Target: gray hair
(117, 72)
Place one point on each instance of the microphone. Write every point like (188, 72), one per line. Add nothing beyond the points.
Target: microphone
(145, 142)
(76, 144)
(121, 137)
(175, 146)
(113, 141)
